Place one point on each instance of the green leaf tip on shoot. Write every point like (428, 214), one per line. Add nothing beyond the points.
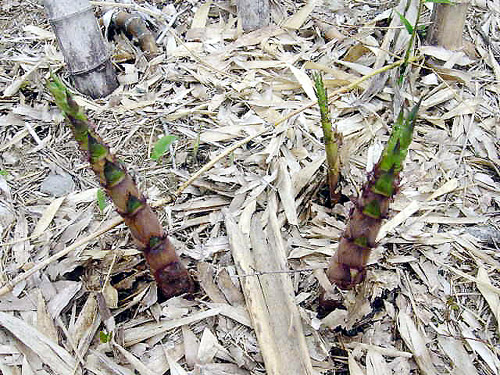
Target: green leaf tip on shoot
(64, 99)
(399, 141)
(72, 111)
(412, 30)
(113, 174)
(97, 151)
(321, 94)
(154, 241)
(408, 26)
(134, 204)
(372, 209)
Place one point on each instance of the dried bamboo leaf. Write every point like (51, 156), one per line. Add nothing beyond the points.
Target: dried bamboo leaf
(191, 346)
(21, 248)
(47, 217)
(137, 334)
(237, 313)
(246, 216)
(304, 81)
(232, 292)
(56, 357)
(397, 220)
(354, 368)
(490, 358)
(462, 362)
(201, 15)
(492, 298)
(376, 364)
(206, 274)
(14, 87)
(297, 20)
(209, 346)
(102, 361)
(66, 290)
(415, 342)
(286, 192)
(44, 321)
(85, 320)
(174, 366)
(134, 361)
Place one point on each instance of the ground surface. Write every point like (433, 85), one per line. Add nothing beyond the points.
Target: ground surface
(430, 304)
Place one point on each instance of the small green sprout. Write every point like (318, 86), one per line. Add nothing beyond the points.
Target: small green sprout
(161, 146)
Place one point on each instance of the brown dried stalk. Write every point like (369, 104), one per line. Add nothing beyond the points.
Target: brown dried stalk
(133, 26)
(171, 276)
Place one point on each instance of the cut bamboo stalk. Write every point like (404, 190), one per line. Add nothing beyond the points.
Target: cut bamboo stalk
(253, 14)
(447, 25)
(83, 46)
(133, 26)
(269, 296)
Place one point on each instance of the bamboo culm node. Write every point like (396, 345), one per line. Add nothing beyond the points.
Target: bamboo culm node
(170, 274)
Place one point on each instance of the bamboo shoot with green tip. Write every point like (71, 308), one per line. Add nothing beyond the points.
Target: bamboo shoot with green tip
(347, 266)
(332, 140)
(171, 276)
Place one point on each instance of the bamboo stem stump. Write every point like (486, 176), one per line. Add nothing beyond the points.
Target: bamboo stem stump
(83, 46)
(254, 14)
(447, 25)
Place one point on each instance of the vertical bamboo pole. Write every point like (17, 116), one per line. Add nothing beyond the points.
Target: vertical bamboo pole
(447, 25)
(82, 45)
(253, 14)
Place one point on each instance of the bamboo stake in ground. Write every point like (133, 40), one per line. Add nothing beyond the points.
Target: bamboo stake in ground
(347, 266)
(447, 25)
(171, 276)
(332, 139)
(253, 14)
(84, 49)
